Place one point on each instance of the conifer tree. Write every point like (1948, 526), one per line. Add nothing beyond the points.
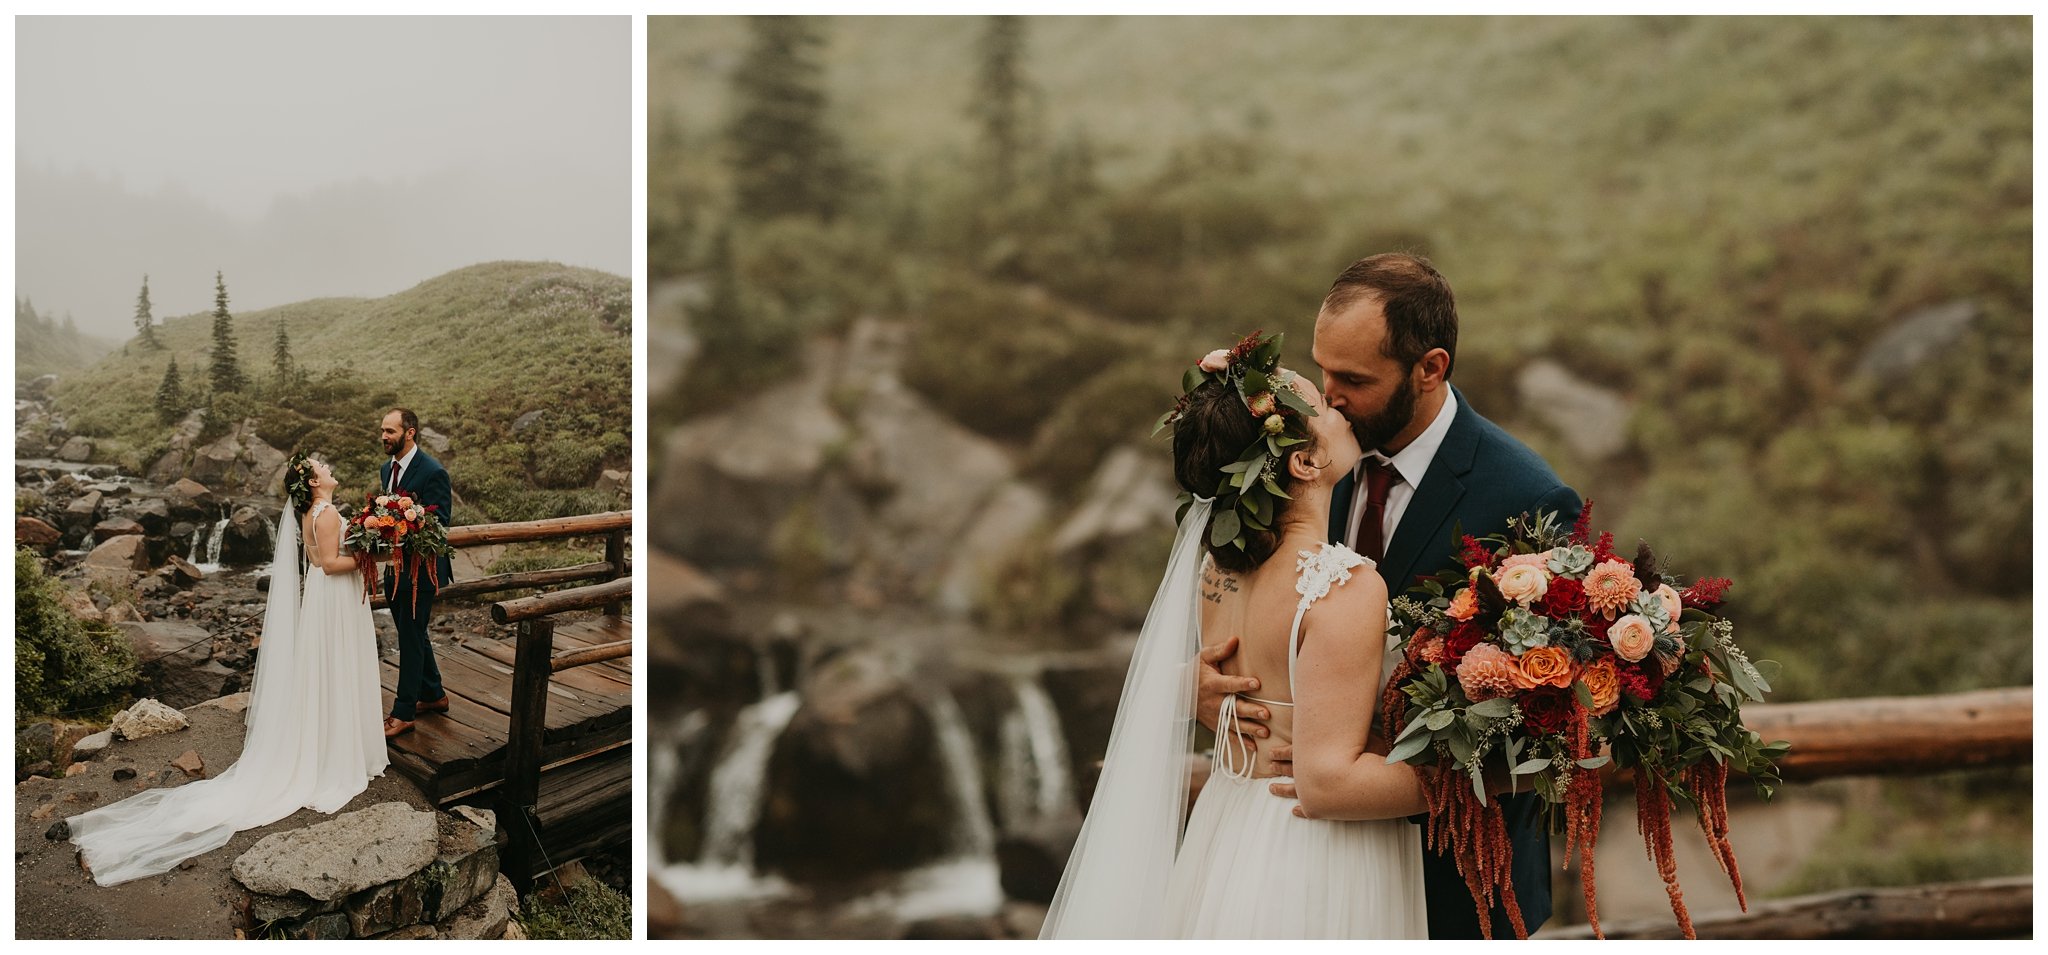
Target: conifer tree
(785, 158)
(170, 395)
(226, 372)
(145, 323)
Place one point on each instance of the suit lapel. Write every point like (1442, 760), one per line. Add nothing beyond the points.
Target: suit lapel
(1443, 486)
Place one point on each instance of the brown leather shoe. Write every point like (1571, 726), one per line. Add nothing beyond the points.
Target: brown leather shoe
(437, 706)
(393, 726)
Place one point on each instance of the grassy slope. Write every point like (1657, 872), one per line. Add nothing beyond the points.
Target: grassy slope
(471, 351)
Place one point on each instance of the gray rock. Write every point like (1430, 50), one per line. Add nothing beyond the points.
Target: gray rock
(77, 448)
(1593, 421)
(1916, 338)
(346, 854)
(91, 746)
(147, 718)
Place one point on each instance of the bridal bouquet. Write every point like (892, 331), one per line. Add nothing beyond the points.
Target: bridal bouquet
(1567, 660)
(400, 526)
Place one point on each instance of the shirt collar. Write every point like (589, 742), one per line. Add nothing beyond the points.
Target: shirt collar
(1412, 462)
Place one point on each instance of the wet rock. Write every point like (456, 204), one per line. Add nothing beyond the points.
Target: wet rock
(77, 448)
(36, 534)
(126, 552)
(250, 537)
(349, 853)
(114, 527)
(146, 718)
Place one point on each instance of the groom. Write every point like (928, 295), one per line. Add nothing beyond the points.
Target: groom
(412, 471)
(1386, 340)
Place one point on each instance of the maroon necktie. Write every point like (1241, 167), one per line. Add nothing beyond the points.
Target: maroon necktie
(1379, 478)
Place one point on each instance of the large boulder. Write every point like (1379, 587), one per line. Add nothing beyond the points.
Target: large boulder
(1592, 420)
(250, 537)
(146, 718)
(181, 667)
(77, 448)
(351, 852)
(126, 552)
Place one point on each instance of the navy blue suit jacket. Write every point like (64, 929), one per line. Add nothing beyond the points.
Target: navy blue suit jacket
(427, 481)
(1481, 476)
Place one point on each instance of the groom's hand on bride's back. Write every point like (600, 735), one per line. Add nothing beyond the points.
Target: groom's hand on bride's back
(1212, 685)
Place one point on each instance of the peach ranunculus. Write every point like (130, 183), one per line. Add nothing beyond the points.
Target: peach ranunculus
(1522, 583)
(1610, 585)
(1604, 683)
(1216, 360)
(1546, 666)
(1669, 598)
(1632, 637)
(1487, 672)
(1465, 605)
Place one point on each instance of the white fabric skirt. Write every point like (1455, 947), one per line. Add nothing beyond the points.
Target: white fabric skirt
(1249, 868)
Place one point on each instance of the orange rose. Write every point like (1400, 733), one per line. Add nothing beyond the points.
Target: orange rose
(1604, 683)
(1546, 666)
(1464, 606)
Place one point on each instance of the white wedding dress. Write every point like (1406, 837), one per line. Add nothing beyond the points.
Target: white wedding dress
(1245, 867)
(315, 731)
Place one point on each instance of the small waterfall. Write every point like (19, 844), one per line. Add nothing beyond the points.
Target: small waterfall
(725, 867)
(1037, 784)
(970, 883)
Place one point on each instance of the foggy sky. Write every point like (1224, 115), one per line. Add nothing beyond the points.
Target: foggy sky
(311, 156)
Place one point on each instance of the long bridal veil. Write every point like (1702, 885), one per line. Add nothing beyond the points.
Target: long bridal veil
(152, 831)
(1115, 883)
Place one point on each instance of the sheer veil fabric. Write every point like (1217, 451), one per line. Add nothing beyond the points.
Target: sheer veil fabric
(314, 737)
(1115, 884)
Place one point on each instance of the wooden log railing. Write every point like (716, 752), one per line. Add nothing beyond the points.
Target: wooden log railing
(1989, 908)
(535, 662)
(614, 525)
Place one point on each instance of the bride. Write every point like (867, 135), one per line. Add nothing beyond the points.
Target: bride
(1254, 563)
(314, 720)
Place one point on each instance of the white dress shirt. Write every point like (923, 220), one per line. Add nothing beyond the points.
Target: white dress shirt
(399, 469)
(1410, 464)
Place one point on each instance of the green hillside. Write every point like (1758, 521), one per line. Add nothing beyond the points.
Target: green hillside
(471, 351)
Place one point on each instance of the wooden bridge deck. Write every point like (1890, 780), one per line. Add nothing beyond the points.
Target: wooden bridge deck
(586, 755)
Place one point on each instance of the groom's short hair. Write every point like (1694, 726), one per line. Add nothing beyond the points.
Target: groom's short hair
(1421, 312)
(407, 421)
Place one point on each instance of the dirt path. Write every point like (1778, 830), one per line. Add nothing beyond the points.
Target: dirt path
(54, 898)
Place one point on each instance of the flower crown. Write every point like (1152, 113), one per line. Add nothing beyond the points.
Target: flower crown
(298, 480)
(1245, 497)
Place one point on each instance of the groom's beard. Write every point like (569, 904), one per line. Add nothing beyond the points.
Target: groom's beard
(1375, 430)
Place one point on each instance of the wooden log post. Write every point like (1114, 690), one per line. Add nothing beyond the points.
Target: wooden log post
(1988, 908)
(532, 666)
(615, 555)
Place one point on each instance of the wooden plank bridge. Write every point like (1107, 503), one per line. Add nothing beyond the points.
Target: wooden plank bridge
(544, 736)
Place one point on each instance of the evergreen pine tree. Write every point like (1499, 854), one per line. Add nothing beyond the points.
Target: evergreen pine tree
(281, 357)
(1000, 102)
(785, 160)
(145, 324)
(170, 396)
(226, 372)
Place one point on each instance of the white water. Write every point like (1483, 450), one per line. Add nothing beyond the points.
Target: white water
(1036, 757)
(724, 869)
(969, 883)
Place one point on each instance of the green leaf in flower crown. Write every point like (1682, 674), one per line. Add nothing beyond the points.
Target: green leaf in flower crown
(1192, 378)
(1223, 528)
(1293, 399)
